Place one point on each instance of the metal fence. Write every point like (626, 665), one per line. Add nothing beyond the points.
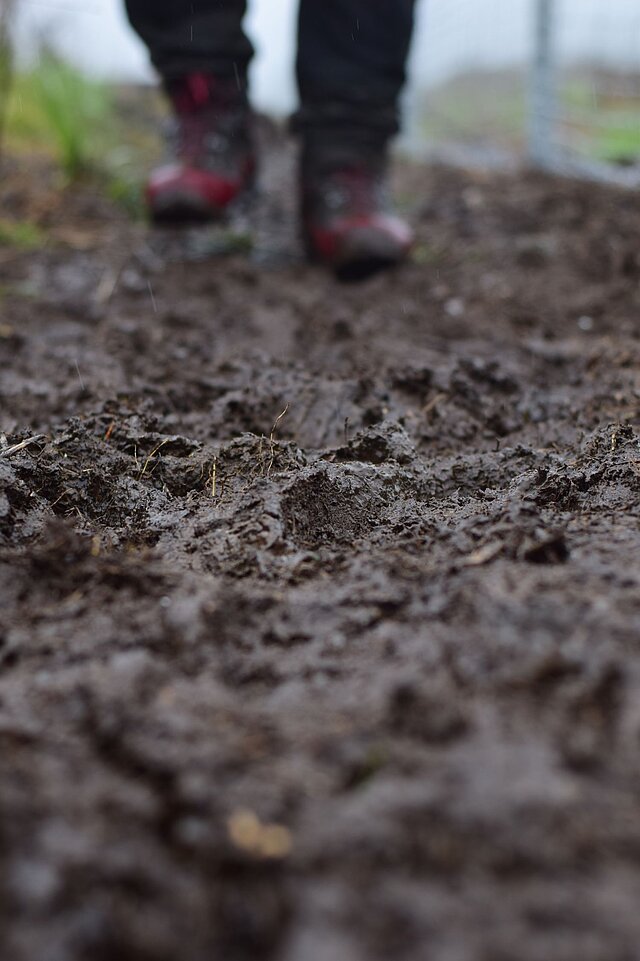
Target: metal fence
(584, 119)
(555, 82)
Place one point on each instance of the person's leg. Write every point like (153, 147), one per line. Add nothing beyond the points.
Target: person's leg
(202, 54)
(193, 36)
(351, 70)
(351, 67)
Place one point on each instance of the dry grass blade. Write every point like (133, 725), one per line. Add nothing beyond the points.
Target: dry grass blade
(16, 448)
(151, 456)
(272, 449)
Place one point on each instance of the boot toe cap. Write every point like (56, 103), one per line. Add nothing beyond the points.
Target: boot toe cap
(177, 193)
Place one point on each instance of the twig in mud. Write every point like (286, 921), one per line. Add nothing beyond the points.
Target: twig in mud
(151, 456)
(153, 298)
(21, 446)
(107, 286)
(109, 280)
(82, 387)
(59, 498)
(214, 473)
(432, 404)
(272, 447)
(484, 555)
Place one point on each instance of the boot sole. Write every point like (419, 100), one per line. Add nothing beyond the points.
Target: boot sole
(181, 209)
(359, 269)
(364, 257)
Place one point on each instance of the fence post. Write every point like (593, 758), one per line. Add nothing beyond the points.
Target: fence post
(542, 87)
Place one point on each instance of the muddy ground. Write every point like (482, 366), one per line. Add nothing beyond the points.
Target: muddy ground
(357, 681)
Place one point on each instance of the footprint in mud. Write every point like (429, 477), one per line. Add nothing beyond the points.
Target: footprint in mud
(330, 504)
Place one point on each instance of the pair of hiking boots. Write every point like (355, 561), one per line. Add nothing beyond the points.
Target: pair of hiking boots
(346, 220)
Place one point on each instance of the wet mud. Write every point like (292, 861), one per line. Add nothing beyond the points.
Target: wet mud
(320, 620)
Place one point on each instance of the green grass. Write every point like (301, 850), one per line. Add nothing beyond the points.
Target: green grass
(81, 124)
(491, 109)
(55, 109)
(619, 143)
(610, 130)
(488, 108)
(20, 236)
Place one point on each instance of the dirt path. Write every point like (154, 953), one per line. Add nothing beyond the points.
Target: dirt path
(356, 681)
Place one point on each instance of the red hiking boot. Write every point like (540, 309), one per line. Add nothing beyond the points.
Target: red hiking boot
(212, 157)
(347, 221)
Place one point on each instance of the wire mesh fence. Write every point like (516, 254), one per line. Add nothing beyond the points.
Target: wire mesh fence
(585, 113)
(554, 81)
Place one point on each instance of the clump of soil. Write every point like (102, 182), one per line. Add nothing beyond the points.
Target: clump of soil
(320, 604)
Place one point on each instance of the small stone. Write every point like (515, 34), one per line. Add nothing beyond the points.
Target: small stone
(455, 307)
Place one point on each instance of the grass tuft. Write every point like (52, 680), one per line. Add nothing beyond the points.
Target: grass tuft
(56, 108)
(86, 127)
(20, 236)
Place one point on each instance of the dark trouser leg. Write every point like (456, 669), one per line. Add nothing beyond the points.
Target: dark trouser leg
(193, 36)
(351, 69)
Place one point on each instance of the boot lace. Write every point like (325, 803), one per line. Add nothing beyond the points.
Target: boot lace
(206, 124)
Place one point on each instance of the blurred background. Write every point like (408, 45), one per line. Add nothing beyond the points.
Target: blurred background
(472, 95)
